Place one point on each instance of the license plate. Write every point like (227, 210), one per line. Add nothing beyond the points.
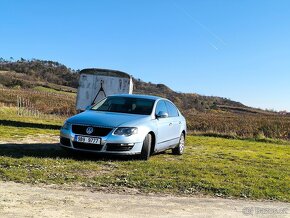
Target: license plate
(87, 139)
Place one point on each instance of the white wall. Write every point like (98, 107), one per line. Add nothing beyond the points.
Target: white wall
(90, 87)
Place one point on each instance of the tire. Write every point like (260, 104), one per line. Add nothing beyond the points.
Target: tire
(179, 149)
(145, 152)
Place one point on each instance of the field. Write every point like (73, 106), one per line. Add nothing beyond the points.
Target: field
(50, 88)
(17, 127)
(210, 166)
(237, 124)
(45, 100)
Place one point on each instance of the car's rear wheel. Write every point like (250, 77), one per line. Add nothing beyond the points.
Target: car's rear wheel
(179, 149)
(145, 152)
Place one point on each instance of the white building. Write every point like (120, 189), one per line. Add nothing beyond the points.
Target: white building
(96, 84)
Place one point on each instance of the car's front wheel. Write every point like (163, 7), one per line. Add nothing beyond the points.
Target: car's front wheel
(179, 149)
(145, 152)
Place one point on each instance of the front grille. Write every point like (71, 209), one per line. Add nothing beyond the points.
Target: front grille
(65, 141)
(85, 146)
(97, 131)
(118, 147)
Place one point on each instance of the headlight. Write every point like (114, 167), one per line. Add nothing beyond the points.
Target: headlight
(126, 131)
(66, 125)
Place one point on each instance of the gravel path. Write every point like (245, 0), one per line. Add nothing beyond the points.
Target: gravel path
(24, 200)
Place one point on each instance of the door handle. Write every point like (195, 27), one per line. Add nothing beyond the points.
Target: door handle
(179, 122)
(170, 124)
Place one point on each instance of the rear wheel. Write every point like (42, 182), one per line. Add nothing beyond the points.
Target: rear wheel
(178, 150)
(145, 152)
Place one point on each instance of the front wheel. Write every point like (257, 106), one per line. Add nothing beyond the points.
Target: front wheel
(145, 152)
(178, 150)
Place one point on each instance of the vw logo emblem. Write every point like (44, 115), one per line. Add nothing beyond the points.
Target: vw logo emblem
(89, 130)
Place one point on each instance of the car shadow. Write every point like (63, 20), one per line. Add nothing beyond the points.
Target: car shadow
(53, 150)
(29, 125)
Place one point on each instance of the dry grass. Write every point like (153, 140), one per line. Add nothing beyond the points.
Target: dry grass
(235, 124)
(60, 103)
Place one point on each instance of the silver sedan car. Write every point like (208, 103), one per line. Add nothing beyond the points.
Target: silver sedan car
(126, 125)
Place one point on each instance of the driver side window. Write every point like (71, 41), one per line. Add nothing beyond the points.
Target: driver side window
(160, 107)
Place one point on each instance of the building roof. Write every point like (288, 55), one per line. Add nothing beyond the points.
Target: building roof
(105, 72)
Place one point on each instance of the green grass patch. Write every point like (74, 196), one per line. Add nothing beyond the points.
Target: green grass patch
(13, 126)
(234, 136)
(213, 166)
(51, 90)
(12, 132)
(10, 114)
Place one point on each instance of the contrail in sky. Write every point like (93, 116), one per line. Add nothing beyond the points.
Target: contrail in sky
(212, 45)
(200, 25)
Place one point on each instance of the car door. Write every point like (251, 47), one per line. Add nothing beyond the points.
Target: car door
(163, 127)
(174, 123)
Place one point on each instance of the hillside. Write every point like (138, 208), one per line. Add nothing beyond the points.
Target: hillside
(39, 70)
(32, 73)
(50, 88)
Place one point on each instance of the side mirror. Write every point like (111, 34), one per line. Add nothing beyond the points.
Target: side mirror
(162, 114)
(88, 107)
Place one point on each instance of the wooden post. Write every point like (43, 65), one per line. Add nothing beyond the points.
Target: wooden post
(17, 107)
(20, 106)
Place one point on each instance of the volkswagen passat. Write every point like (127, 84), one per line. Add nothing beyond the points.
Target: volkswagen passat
(127, 125)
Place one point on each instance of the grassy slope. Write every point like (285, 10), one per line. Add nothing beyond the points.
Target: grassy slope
(50, 90)
(214, 166)
(206, 115)
(13, 126)
(10, 113)
(6, 132)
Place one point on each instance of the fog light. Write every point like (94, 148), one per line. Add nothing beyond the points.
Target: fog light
(127, 144)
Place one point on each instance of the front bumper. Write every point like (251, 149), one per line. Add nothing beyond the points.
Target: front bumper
(110, 144)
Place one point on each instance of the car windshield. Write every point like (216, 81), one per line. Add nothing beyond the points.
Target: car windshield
(128, 105)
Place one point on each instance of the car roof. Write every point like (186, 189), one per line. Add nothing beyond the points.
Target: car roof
(152, 97)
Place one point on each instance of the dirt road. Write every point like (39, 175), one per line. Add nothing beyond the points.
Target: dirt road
(23, 200)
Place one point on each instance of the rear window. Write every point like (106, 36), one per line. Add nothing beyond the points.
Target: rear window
(125, 105)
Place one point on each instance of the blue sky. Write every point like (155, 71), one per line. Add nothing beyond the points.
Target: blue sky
(239, 49)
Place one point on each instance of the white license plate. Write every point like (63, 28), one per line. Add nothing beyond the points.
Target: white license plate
(87, 139)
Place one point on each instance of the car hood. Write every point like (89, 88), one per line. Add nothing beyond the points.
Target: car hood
(108, 119)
